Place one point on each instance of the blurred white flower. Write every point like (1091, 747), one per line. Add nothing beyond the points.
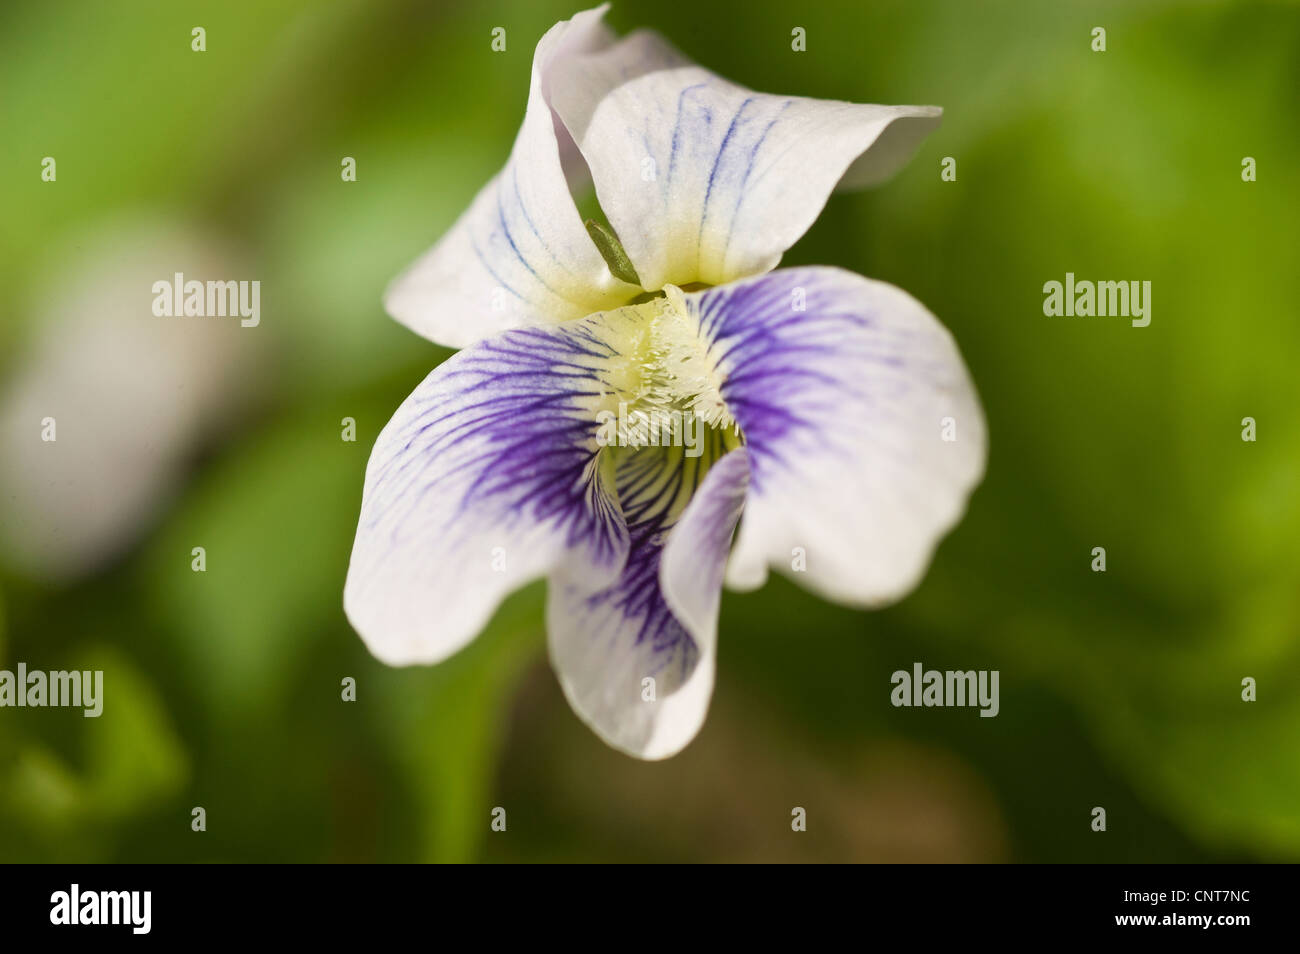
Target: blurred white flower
(131, 396)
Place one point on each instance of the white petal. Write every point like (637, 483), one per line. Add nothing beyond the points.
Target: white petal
(659, 620)
(521, 254)
(486, 478)
(845, 407)
(704, 180)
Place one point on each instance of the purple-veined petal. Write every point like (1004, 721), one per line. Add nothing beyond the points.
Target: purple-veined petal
(864, 432)
(695, 555)
(658, 621)
(487, 477)
(705, 180)
(521, 255)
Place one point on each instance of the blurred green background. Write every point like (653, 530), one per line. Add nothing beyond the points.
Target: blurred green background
(1120, 690)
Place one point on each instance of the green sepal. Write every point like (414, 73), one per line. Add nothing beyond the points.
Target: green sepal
(611, 249)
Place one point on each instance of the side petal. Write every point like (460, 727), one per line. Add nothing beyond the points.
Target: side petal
(487, 477)
(658, 621)
(707, 181)
(521, 254)
(864, 432)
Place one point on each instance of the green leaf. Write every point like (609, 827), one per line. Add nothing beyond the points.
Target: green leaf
(445, 727)
(134, 758)
(134, 761)
(275, 521)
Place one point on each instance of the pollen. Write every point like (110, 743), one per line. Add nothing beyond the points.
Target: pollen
(680, 373)
(663, 381)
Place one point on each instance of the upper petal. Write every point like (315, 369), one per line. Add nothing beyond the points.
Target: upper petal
(658, 620)
(864, 433)
(521, 254)
(486, 477)
(707, 181)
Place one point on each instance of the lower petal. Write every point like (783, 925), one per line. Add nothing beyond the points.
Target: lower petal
(636, 658)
